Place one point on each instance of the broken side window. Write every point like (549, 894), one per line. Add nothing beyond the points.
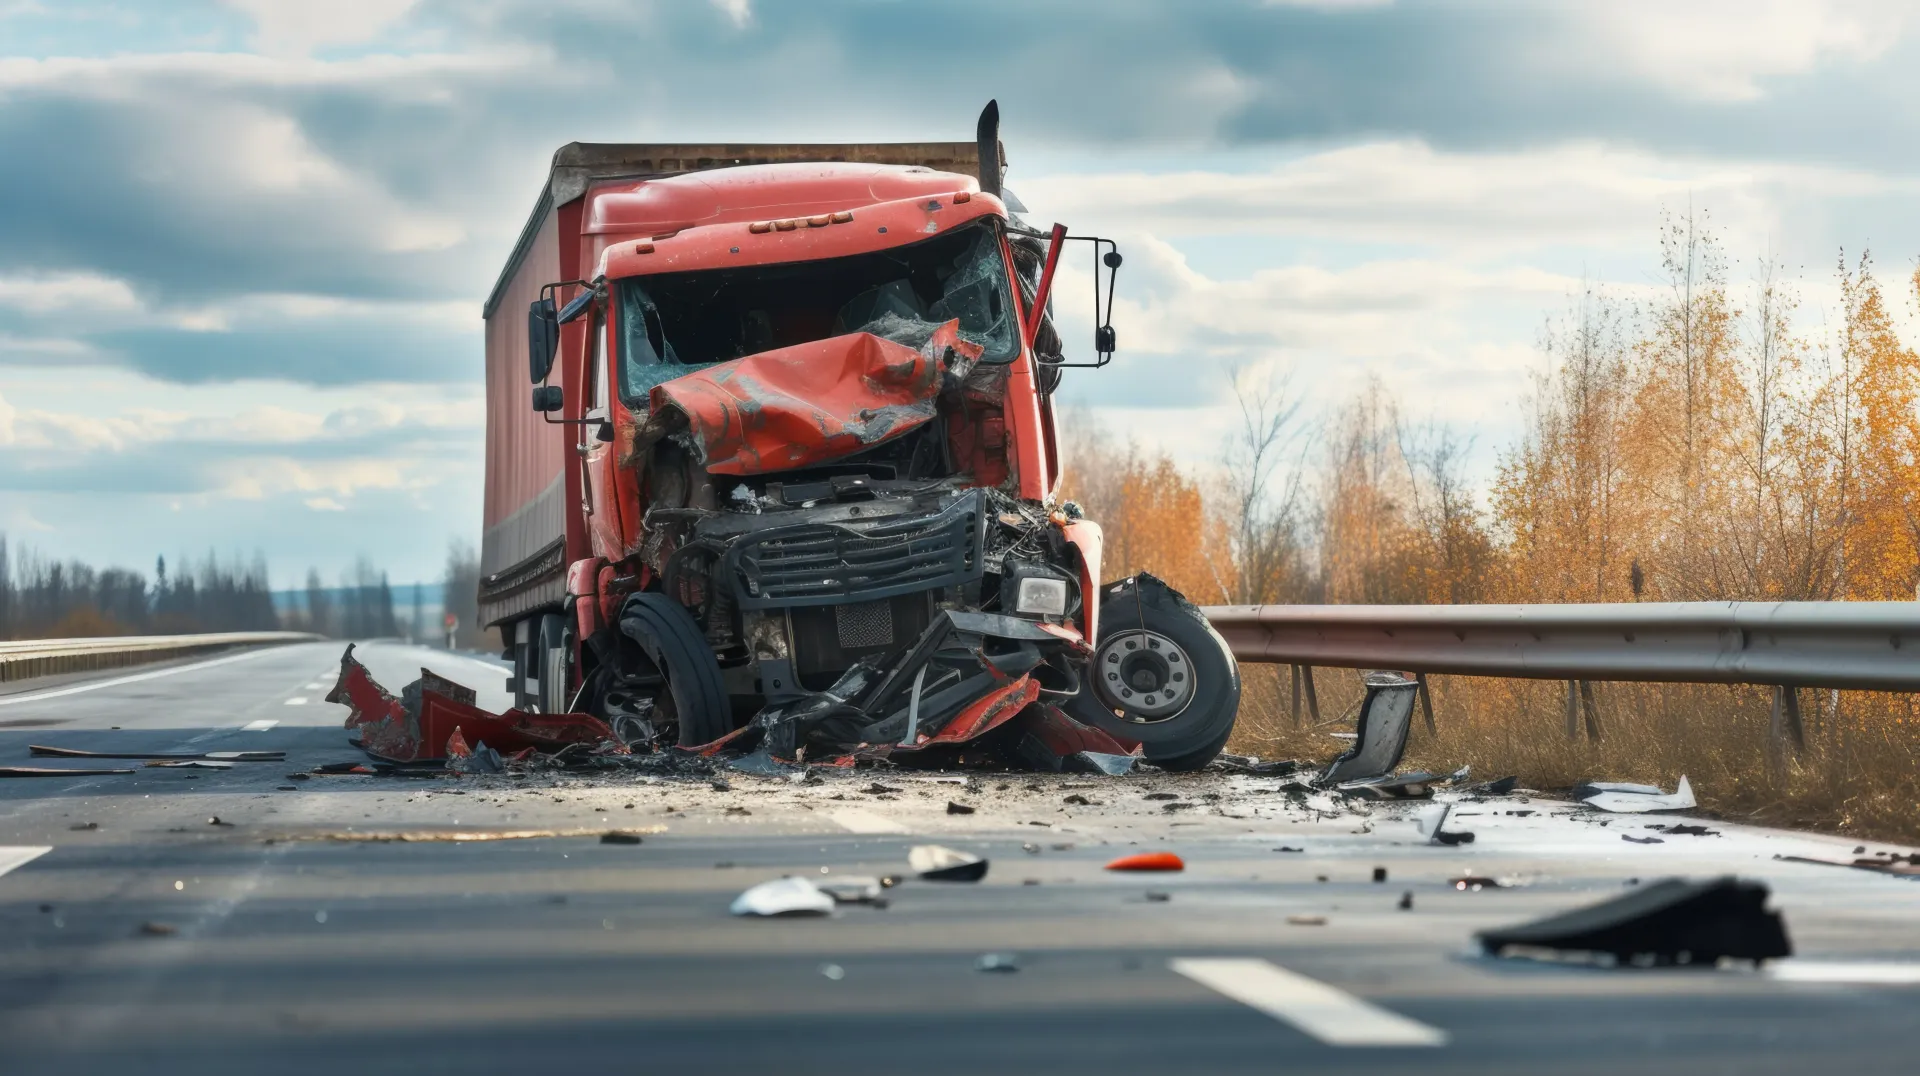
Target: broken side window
(647, 356)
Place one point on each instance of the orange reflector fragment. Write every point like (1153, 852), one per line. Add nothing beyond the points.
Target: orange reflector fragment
(760, 227)
(963, 197)
(818, 222)
(643, 248)
(1148, 861)
(842, 217)
(786, 225)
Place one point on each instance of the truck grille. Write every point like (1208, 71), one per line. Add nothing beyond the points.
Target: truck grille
(834, 564)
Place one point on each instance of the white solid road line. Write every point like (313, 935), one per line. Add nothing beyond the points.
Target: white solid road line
(1861, 972)
(854, 820)
(20, 855)
(261, 725)
(1333, 1016)
(297, 700)
(136, 678)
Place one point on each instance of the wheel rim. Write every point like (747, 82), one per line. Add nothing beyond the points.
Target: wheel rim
(1143, 676)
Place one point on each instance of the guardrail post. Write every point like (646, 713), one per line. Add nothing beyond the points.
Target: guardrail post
(1293, 674)
(1426, 702)
(1592, 711)
(1573, 709)
(1785, 722)
(1313, 699)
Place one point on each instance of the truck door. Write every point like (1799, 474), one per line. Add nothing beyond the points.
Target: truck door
(597, 495)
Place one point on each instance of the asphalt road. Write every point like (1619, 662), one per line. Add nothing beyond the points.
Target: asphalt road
(283, 950)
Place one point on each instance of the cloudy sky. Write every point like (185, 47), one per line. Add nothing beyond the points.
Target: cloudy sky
(243, 244)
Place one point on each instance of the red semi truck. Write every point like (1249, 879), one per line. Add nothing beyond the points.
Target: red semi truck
(789, 461)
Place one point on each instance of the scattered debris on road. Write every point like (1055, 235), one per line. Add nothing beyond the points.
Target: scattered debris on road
(1473, 883)
(1904, 866)
(997, 962)
(854, 889)
(1641, 840)
(783, 897)
(1667, 923)
(1617, 798)
(1148, 861)
(421, 836)
(958, 808)
(1307, 920)
(936, 863)
(36, 771)
(158, 929)
(1432, 824)
(43, 751)
(1386, 715)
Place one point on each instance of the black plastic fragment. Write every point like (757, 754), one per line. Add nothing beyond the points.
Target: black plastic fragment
(1670, 922)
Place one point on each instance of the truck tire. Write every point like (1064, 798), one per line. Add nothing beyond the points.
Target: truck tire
(555, 656)
(1160, 675)
(667, 635)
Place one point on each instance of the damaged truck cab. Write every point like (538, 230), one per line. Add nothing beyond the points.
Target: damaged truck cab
(789, 478)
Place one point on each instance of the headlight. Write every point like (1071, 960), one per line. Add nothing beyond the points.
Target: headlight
(1040, 595)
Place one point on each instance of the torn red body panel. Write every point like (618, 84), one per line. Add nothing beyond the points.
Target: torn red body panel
(418, 726)
(811, 403)
(984, 714)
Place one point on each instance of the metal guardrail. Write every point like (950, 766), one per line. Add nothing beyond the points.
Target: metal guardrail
(1865, 646)
(23, 659)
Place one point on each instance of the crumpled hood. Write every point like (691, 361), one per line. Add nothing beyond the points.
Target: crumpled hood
(809, 403)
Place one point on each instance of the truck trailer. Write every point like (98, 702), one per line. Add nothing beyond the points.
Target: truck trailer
(788, 471)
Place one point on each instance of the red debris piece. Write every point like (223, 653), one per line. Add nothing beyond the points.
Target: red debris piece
(457, 745)
(984, 714)
(1148, 861)
(418, 729)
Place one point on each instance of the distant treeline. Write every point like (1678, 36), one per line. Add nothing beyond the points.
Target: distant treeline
(43, 598)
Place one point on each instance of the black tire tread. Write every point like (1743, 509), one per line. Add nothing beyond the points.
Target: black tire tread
(693, 676)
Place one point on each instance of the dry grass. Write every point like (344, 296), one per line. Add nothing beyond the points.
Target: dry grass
(1860, 774)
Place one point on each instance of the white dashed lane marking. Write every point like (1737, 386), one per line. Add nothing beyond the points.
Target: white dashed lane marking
(259, 726)
(1866, 973)
(857, 821)
(11, 857)
(297, 700)
(1331, 1015)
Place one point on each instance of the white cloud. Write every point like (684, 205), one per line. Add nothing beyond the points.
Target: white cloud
(1724, 50)
(52, 292)
(1407, 192)
(298, 27)
(738, 12)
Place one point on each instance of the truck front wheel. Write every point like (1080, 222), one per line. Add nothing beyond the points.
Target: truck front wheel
(692, 698)
(1160, 675)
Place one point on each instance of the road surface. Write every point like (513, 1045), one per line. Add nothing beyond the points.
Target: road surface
(272, 951)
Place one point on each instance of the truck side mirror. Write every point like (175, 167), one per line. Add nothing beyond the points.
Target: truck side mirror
(548, 397)
(543, 342)
(1103, 340)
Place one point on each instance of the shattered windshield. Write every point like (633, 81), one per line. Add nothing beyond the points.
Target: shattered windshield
(677, 322)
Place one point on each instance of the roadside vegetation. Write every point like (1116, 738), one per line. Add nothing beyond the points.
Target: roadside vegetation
(1714, 442)
(45, 598)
